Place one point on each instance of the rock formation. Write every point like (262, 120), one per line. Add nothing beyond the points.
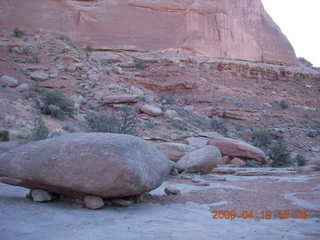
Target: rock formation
(231, 29)
(108, 165)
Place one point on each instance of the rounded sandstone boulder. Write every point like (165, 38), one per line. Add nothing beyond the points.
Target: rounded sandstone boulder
(201, 161)
(79, 164)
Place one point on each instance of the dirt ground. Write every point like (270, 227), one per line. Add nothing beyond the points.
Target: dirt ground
(184, 216)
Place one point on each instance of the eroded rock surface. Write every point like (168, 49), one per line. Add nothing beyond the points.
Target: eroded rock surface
(232, 29)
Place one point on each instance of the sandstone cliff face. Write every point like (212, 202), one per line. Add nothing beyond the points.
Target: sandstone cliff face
(232, 29)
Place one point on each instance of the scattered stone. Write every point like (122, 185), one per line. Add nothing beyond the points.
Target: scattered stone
(237, 162)
(8, 81)
(197, 142)
(174, 151)
(172, 191)
(237, 148)
(168, 114)
(93, 202)
(72, 68)
(226, 159)
(24, 87)
(201, 161)
(315, 149)
(39, 76)
(200, 182)
(39, 195)
(247, 135)
(93, 77)
(174, 172)
(306, 169)
(108, 165)
(120, 98)
(121, 202)
(151, 110)
(118, 70)
(78, 101)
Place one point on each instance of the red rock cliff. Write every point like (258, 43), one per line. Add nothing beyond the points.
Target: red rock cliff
(232, 29)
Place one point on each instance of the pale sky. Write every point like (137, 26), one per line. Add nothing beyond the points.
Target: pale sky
(299, 20)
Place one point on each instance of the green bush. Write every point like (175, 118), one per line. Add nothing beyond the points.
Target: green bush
(4, 135)
(262, 139)
(300, 160)
(280, 155)
(18, 33)
(123, 123)
(219, 126)
(55, 104)
(283, 104)
(40, 131)
(139, 64)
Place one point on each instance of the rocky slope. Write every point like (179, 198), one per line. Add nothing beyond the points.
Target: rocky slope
(233, 29)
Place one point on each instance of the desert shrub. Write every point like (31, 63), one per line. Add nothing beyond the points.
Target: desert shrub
(219, 126)
(55, 104)
(179, 124)
(139, 64)
(251, 163)
(123, 122)
(283, 104)
(4, 135)
(40, 131)
(18, 33)
(280, 155)
(167, 98)
(300, 160)
(262, 139)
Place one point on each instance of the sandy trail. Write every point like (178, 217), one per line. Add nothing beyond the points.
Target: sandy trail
(186, 216)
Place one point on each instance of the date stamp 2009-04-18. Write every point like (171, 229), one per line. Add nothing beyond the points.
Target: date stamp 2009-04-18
(263, 214)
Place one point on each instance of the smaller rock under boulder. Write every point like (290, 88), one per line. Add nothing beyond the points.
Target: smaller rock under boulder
(225, 159)
(93, 202)
(201, 161)
(171, 191)
(237, 162)
(151, 110)
(306, 169)
(39, 195)
(121, 202)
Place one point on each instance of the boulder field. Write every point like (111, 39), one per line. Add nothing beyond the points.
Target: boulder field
(99, 164)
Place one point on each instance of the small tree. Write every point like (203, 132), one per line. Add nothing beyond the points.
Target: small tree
(280, 155)
(18, 33)
(123, 123)
(262, 139)
(55, 104)
(4, 135)
(40, 131)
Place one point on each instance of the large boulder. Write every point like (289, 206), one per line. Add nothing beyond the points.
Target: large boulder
(202, 160)
(237, 148)
(174, 151)
(99, 164)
